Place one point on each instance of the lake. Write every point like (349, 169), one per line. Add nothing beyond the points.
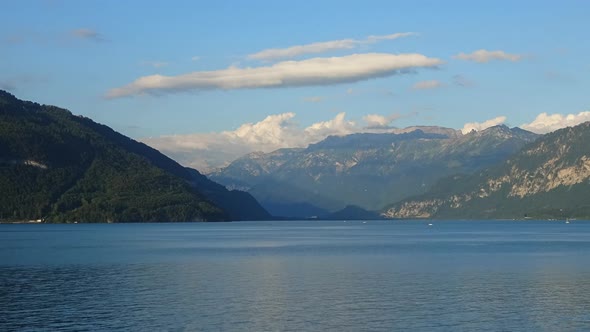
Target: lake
(296, 276)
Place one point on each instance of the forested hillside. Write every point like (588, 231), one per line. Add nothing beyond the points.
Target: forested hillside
(60, 167)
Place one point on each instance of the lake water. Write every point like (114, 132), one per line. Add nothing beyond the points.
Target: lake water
(296, 276)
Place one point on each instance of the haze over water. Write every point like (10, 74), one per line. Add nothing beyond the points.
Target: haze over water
(297, 276)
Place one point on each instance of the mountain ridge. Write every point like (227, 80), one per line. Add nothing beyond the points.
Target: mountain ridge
(367, 170)
(548, 178)
(62, 167)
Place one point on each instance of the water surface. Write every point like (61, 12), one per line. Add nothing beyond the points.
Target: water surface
(296, 276)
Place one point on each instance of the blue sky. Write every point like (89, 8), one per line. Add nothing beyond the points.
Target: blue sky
(334, 67)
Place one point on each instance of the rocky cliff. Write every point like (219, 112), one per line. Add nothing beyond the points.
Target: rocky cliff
(549, 178)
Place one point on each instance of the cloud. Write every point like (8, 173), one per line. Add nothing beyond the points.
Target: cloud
(321, 47)
(87, 34)
(269, 134)
(314, 99)
(338, 126)
(195, 58)
(484, 56)
(204, 152)
(424, 85)
(545, 123)
(207, 151)
(468, 127)
(310, 72)
(294, 51)
(376, 121)
(212, 150)
(374, 39)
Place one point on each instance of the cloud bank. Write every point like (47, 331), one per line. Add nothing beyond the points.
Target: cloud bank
(484, 56)
(477, 126)
(321, 47)
(545, 123)
(206, 152)
(311, 72)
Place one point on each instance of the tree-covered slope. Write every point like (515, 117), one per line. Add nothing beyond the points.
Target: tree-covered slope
(62, 168)
(549, 178)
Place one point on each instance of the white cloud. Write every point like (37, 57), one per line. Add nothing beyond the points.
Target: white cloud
(201, 151)
(207, 151)
(294, 51)
(314, 99)
(424, 85)
(373, 39)
(545, 123)
(376, 121)
(212, 150)
(87, 34)
(321, 47)
(477, 126)
(273, 132)
(338, 126)
(316, 71)
(195, 58)
(483, 56)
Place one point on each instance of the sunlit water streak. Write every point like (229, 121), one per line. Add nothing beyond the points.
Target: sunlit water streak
(296, 276)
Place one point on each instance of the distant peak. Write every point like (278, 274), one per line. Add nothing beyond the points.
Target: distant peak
(430, 130)
(501, 128)
(498, 127)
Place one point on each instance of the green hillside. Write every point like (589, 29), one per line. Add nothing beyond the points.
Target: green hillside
(60, 167)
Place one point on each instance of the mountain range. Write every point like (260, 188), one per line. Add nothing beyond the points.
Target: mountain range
(59, 167)
(369, 171)
(548, 179)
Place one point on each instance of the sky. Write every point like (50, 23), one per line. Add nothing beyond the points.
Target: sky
(208, 81)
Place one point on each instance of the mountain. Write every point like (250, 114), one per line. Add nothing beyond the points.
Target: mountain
(549, 178)
(366, 170)
(62, 168)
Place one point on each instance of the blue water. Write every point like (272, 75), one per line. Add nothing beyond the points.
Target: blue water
(296, 276)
